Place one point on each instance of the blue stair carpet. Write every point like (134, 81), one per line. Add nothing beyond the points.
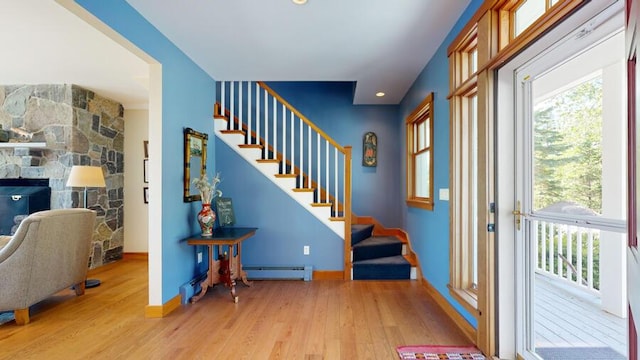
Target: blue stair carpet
(377, 257)
(387, 268)
(360, 232)
(376, 247)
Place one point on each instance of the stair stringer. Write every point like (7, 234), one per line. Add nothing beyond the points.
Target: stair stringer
(269, 170)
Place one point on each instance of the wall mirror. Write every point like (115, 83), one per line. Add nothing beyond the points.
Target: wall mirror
(195, 161)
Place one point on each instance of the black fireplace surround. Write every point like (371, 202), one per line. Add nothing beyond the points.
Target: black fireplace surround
(19, 198)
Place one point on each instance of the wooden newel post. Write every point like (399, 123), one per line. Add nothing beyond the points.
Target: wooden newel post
(347, 212)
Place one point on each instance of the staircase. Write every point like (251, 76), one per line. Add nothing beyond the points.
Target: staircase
(313, 169)
(378, 253)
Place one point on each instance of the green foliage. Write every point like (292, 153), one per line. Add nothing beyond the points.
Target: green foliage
(568, 147)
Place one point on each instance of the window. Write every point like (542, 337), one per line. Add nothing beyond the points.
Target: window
(420, 155)
(465, 172)
(485, 43)
(524, 13)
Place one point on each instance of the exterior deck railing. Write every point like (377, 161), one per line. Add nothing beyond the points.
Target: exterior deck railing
(568, 253)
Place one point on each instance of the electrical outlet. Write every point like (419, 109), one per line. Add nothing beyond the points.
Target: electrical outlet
(305, 249)
(199, 257)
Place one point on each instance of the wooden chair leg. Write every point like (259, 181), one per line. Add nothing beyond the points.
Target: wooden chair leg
(79, 288)
(21, 316)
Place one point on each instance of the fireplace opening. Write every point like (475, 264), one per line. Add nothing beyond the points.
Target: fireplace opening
(19, 198)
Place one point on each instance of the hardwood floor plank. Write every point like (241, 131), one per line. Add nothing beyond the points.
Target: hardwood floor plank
(322, 319)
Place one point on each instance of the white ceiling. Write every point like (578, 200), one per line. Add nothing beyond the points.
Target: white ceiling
(382, 45)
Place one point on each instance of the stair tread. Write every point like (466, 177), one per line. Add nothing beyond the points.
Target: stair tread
(389, 260)
(304, 189)
(321, 204)
(360, 232)
(235, 131)
(377, 240)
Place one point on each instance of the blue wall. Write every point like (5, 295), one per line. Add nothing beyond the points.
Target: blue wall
(429, 230)
(188, 94)
(379, 192)
(376, 191)
(284, 226)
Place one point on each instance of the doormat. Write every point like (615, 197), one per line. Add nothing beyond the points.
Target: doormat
(6, 317)
(431, 352)
(579, 353)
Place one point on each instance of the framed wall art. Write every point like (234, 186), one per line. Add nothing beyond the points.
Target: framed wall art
(370, 149)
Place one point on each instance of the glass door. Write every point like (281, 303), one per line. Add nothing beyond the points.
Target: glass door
(570, 208)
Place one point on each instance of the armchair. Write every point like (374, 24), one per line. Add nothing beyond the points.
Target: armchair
(48, 253)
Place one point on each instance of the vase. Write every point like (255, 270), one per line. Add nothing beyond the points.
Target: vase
(206, 219)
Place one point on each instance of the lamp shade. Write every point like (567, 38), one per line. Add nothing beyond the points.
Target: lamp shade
(86, 176)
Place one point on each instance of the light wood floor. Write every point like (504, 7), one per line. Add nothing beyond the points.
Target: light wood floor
(321, 319)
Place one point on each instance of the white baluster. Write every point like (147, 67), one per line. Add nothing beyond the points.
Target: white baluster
(275, 130)
(552, 253)
(292, 147)
(590, 259)
(258, 111)
(318, 159)
(284, 139)
(569, 252)
(579, 255)
(240, 105)
(223, 100)
(309, 177)
(249, 113)
(232, 98)
(301, 154)
(335, 177)
(543, 245)
(266, 124)
(326, 157)
(560, 263)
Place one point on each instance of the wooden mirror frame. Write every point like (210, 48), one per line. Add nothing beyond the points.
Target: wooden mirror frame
(195, 148)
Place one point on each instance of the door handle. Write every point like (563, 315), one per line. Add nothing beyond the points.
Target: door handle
(517, 213)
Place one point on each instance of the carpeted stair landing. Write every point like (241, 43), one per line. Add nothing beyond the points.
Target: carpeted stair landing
(377, 257)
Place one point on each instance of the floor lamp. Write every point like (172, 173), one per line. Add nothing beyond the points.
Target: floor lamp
(86, 177)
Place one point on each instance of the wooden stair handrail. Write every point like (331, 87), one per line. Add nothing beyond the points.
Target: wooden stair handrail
(322, 193)
(304, 118)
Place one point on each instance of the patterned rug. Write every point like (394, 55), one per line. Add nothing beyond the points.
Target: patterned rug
(430, 352)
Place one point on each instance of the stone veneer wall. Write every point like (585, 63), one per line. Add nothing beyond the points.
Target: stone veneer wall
(79, 127)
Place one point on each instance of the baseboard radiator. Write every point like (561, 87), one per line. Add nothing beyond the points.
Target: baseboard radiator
(279, 272)
(191, 288)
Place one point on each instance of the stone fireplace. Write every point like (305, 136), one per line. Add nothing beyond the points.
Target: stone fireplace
(62, 126)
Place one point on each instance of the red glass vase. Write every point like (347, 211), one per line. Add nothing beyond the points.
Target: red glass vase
(206, 219)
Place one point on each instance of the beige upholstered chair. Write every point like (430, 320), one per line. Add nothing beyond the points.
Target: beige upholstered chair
(48, 253)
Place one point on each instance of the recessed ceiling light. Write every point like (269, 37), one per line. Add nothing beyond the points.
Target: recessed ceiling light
(380, 94)
(299, 2)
